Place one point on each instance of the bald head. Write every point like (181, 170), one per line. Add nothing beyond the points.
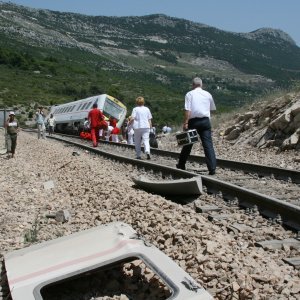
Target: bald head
(197, 82)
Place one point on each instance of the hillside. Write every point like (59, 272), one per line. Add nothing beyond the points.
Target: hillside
(274, 123)
(51, 57)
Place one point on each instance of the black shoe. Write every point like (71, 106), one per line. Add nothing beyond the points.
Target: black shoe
(148, 156)
(178, 166)
(212, 172)
(138, 157)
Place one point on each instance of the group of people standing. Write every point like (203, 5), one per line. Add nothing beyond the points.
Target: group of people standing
(198, 105)
(139, 124)
(99, 126)
(41, 126)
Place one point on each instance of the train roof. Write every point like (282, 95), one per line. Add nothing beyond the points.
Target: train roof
(96, 97)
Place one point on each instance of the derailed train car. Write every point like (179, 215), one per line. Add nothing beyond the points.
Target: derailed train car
(70, 117)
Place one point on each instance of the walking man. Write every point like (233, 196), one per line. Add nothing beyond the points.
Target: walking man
(12, 127)
(40, 121)
(198, 104)
(51, 124)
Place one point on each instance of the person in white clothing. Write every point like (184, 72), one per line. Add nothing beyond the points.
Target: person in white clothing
(130, 131)
(108, 132)
(141, 119)
(51, 124)
(198, 105)
(164, 129)
(114, 136)
(86, 125)
(40, 121)
(153, 130)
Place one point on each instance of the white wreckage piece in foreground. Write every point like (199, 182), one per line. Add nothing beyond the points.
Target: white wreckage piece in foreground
(31, 269)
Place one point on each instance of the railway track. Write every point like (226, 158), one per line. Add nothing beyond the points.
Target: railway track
(273, 192)
(220, 204)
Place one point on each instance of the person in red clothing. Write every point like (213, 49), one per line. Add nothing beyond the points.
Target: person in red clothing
(95, 118)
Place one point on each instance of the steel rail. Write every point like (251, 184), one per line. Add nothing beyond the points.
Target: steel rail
(268, 206)
(261, 170)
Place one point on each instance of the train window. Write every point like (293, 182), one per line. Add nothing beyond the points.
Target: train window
(84, 106)
(90, 104)
(113, 109)
(79, 107)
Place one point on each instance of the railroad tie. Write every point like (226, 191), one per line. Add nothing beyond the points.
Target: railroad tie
(278, 244)
(293, 261)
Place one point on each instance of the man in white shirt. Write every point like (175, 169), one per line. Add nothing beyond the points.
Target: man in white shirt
(40, 119)
(198, 104)
(51, 124)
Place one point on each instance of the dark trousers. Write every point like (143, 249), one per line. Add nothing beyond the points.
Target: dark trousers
(51, 130)
(203, 127)
(13, 140)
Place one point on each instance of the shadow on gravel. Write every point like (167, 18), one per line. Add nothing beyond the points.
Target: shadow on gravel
(181, 199)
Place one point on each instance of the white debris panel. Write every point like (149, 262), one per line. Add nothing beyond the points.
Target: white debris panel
(186, 186)
(30, 269)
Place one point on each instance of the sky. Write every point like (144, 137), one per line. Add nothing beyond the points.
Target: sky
(230, 15)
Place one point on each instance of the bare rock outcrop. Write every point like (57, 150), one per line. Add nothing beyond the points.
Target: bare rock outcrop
(276, 124)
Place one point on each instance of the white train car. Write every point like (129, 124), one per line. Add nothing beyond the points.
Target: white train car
(69, 117)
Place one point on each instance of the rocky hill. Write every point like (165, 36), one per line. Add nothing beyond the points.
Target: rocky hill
(272, 124)
(60, 57)
(269, 35)
(155, 35)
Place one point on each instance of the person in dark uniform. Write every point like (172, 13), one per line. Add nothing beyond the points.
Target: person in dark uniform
(12, 127)
(198, 104)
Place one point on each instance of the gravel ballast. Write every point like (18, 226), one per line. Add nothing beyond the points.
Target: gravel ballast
(97, 191)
